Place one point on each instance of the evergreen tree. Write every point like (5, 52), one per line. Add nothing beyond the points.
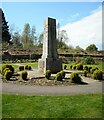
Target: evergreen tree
(5, 29)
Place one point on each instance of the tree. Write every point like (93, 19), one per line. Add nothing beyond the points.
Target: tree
(78, 48)
(92, 47)
(40, 40)
(5, 29)
(26, 36)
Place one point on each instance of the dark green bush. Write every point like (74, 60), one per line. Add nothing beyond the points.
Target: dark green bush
(85, 73)
(74, 67)
(6, 69)
(29, 67)
(21, 68)
(93, 69)
(89, 60)
(58, 76)
(48, 74)
(24, 75)
(65, 66)
(71, 66)
(97, 75)
(26, 67)
(7, 74)
(86, 68)
(63, 74)
(75, 78)
(8, 66)
(89, 69)
(79, 66)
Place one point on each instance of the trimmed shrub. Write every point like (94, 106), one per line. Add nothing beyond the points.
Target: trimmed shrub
(89, 69)
(75, 78)
(48, 74)
(8, 66)
(86, 68)
(71, 66)
(65, 66)
(79, 66)
(26, 67)
(89, 60)
(74, 67)
(7, 74)
(93, 69)
(24, 75)
(6, 69)
(21, 68)
(29, 67)
(58, 76)
(97, 75)
(63, 74)
(85, 73)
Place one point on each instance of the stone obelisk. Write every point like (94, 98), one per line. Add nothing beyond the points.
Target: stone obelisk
(50, 59)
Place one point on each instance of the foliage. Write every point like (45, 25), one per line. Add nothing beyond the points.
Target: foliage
(21, 68)
(85, 73)
(75, 78)
(71, 66)
(79, 66)
(28, 67)
(24, 75)
(74, 67)
(59, 76)
(8, 66)
(89, 69)
(98, 75)
(5, 29)
(7, 74)
(48, 74)
(78, 60)
(63, 74)
(86, 68)
(93, 69)
(89, 60)
(92, 47)
(65, 66)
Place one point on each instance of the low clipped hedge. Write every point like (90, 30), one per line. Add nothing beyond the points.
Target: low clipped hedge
(59, 76)
(97, 75)
(75, 78)
(24, 75)
(63, 74)
(48, 74)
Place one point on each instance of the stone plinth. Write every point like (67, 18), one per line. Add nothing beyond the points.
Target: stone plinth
(50, 60)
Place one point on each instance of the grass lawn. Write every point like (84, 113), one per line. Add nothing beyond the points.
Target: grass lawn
(73, 106)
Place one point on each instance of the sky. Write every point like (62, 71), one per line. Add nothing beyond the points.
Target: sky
(81, 20)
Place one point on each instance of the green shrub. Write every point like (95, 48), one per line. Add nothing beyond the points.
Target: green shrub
(63, 74)
(93, 69)
(48, 74)
(29, 67)
(6, 69)
(21, 68)
(75, 78)
(24, 75)
(71, 66)
(74, 67)
(59, 76)
(86, 68)
(8, 66)
(97, 75)
(79, 66)
(85, 73)
(8, 74)
(89, 69)
(89, 60)
(26, 67)
(65, 66)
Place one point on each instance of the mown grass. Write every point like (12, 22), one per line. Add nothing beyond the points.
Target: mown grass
(73, 106)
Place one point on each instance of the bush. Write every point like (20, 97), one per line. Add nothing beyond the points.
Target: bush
(8, 66)
(92, 70)
(75, 78)
(6, 69)
(7, 74)
(63, 74)
(58, 76)
(21, 68)
(24, 75)
(86, 68)
(89, 60)
(71, 66)
(65, 66)
(85, 73)
(74, 67)
(97, 75)
(48, 74)
(29, 67)
(79, 66)
(89, 69)
(26, 67)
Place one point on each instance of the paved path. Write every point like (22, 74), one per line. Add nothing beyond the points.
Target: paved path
(94, 87)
